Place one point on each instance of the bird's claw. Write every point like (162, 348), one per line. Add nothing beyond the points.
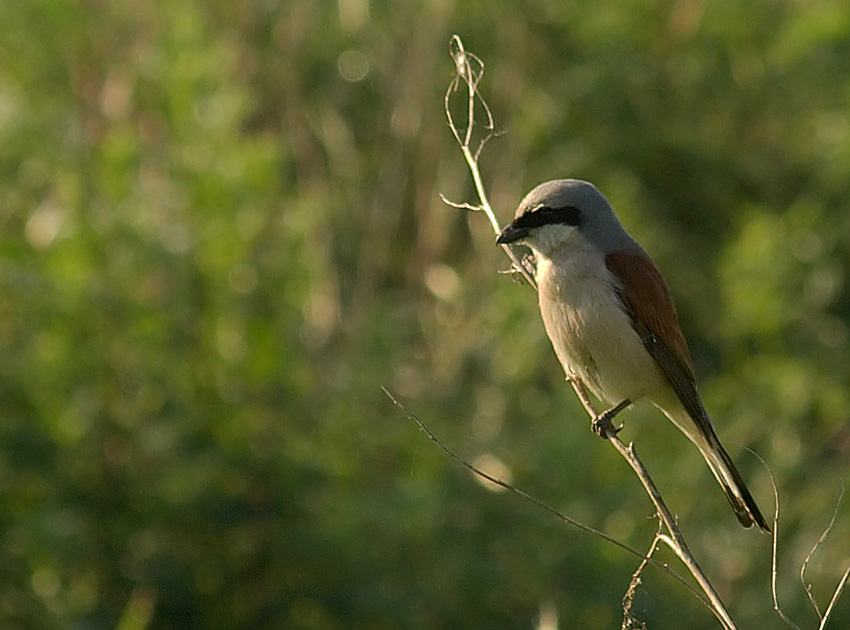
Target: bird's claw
(604, 427)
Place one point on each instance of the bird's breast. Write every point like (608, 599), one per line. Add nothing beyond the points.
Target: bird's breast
(590, 331)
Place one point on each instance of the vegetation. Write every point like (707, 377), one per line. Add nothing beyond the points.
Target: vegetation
(223, 233)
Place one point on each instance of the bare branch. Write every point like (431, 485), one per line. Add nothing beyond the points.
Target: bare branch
(581, 392)
(629, 622)
(541, 504)
(839, 589)
(773, 571)
(513, 272)
(470, 69)
(675, 541)
(806, 585)
(463, 205)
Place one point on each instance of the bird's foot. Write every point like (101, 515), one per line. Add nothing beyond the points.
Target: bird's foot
(602, 424)
(603, 427)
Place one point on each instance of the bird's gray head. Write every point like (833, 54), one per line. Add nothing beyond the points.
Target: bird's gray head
(554, 213)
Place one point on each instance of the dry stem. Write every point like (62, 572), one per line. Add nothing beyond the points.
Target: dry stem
(469, 70)
(645, 559)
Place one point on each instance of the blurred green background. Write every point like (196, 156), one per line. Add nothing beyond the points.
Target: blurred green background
(222, 234)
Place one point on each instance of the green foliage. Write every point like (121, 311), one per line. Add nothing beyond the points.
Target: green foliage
(222, 234)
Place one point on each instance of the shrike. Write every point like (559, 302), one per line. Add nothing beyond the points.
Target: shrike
(611, 320)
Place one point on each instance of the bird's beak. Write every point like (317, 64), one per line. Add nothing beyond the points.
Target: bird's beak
(511, 234)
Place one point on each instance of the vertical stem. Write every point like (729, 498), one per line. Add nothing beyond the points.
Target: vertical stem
(471, 76)
(677, 542)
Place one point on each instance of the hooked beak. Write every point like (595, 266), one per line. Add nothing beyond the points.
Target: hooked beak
(511, 234)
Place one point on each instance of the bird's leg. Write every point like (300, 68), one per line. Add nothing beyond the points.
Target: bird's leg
(602, 425)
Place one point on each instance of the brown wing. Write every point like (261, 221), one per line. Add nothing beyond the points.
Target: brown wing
(647, 300)
(646, 297)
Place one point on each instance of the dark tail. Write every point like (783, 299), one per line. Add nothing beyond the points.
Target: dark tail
(733, 485)
(703, 435)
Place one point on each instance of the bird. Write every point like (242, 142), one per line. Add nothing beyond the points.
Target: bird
(612, 322)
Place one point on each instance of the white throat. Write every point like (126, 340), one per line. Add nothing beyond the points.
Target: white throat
(568, 250)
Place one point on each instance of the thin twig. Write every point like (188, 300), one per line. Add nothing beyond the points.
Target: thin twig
(806, 585)
(541, 504)
(462, 205)
(677, 542)
(824, 618)
(774, 546)
(470, 69)
(835, 596)
(581, 392)
(629, 622)
(839, 589)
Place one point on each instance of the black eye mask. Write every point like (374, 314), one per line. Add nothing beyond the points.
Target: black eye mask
(544, 215)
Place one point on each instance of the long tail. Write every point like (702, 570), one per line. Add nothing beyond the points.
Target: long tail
(733, 485)
(727, 475)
